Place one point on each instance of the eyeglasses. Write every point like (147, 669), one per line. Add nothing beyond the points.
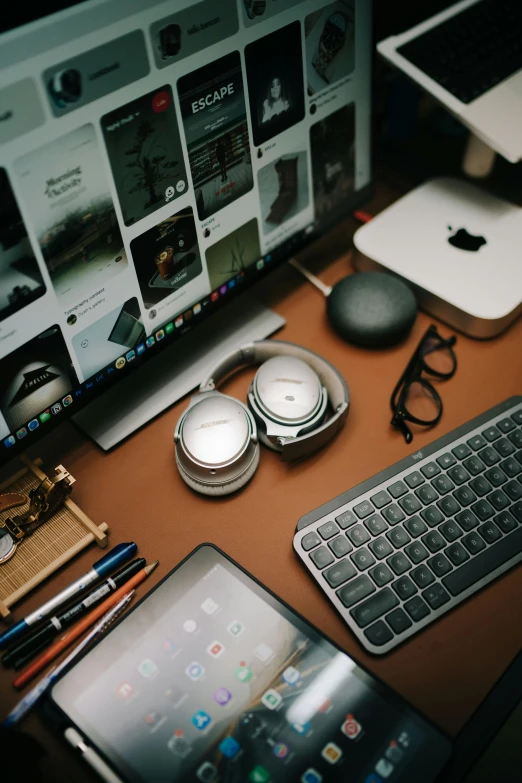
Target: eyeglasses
(414, 398)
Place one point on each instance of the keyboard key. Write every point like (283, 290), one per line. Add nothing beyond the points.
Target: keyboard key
(518, 456)
(339, 573)
(476, 443)
(473, 543)
(427, 494)
(328, 530)
(346, 519)
(399, 563)
(380, 548)
(457, 554)
(489, 456)
(393, 514)
(374, 607)
(513, 490)
(484, 563)
(378, 634)
(459, 474)
(498, 500)
(430, 470)
(434, 541)
(398, 489)
(398, 621)
(450, 530)
(410, 504)
(480, 486)
(506, 522)
(506, 425)
(517, 416)
(321, 557)
(415, 526)
(446, 460)
(380, 499)
(491, 434)
(483, 510)
(516, 439)
(417, 609)
(398, 536)
(440, 565)
(516, 510)
(309, 541)
(461, 452)
(376, 524)
(511, 466)
(363, 559)
(340, 546)
(404, 587)
(443, 484)
(465, 496)
(381, 574)
(467, 520)
(364, 509)
(355, 591)
(414, 479)
(422, 576)
(449, 506)
(436, 596)
(474, 465)
(504, 447)
(432, 516)
(417, 552)
(358, 535)
(489, 532)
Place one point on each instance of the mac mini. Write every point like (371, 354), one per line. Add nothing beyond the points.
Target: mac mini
(458, 247)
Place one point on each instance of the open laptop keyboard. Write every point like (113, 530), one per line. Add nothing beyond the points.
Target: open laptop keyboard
(398, 551)
(472, 51)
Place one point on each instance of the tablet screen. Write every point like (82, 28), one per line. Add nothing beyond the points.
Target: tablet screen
(211, 678)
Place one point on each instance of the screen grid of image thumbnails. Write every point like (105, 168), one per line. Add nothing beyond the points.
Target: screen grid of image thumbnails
(136, 191)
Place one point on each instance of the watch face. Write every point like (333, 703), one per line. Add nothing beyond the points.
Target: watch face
(7, 545)
(334, 32)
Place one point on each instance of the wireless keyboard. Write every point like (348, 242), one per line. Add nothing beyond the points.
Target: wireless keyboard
(398, 551)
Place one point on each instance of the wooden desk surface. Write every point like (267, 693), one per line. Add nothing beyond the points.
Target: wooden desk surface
(447, 669)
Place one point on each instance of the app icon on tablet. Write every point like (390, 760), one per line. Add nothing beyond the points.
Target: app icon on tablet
(222, 696)
(229, 747)
(331, 753)
(179, 745)
(351, 727)
(384, 768)
(207, 772)
(311, 776)
(195, 671)
(271, 699)
(259, 774)
(243, 673)
(201, 719)
(263, 652)
(236, 628)
(291, 676)
(209, 606)
(215, 649)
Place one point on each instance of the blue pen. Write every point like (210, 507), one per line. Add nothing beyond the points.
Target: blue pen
(113, 559)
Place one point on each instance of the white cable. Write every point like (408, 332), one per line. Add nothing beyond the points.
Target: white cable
(322, 287)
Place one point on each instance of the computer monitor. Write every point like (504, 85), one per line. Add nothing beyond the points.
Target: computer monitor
(157, 159)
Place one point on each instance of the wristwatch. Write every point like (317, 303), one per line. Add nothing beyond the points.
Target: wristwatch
(43, 501)
(331, 41)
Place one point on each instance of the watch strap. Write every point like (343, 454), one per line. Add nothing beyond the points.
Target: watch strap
(11, 500)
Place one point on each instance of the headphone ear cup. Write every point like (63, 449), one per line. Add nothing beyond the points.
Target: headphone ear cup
(219, 490)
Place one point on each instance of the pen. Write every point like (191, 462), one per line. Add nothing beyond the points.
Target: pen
(30, 699)
(118, 555)
(90, 756)
(77, 630)
(41, 637)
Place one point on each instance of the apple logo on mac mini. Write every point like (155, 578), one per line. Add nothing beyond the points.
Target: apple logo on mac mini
(463, 240)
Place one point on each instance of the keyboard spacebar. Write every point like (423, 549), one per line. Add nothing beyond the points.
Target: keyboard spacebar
(484, 563)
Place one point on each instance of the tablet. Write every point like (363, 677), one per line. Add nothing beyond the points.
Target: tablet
(212, 678)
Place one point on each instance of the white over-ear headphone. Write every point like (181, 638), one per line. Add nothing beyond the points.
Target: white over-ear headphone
(217, 448)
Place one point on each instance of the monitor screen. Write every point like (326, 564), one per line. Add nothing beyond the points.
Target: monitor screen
(157, 159)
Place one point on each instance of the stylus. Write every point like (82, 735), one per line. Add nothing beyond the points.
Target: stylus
(90, 756)
(37, 640)
(30, 699)
(116, 557)
(77, 630)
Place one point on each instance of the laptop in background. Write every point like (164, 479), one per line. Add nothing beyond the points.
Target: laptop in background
(469, 57)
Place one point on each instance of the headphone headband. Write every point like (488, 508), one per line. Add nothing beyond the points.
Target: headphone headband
(336, 386)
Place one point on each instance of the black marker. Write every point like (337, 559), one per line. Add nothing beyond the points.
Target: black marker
(43, 636)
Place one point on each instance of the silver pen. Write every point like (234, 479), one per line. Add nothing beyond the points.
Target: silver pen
(30, 699)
